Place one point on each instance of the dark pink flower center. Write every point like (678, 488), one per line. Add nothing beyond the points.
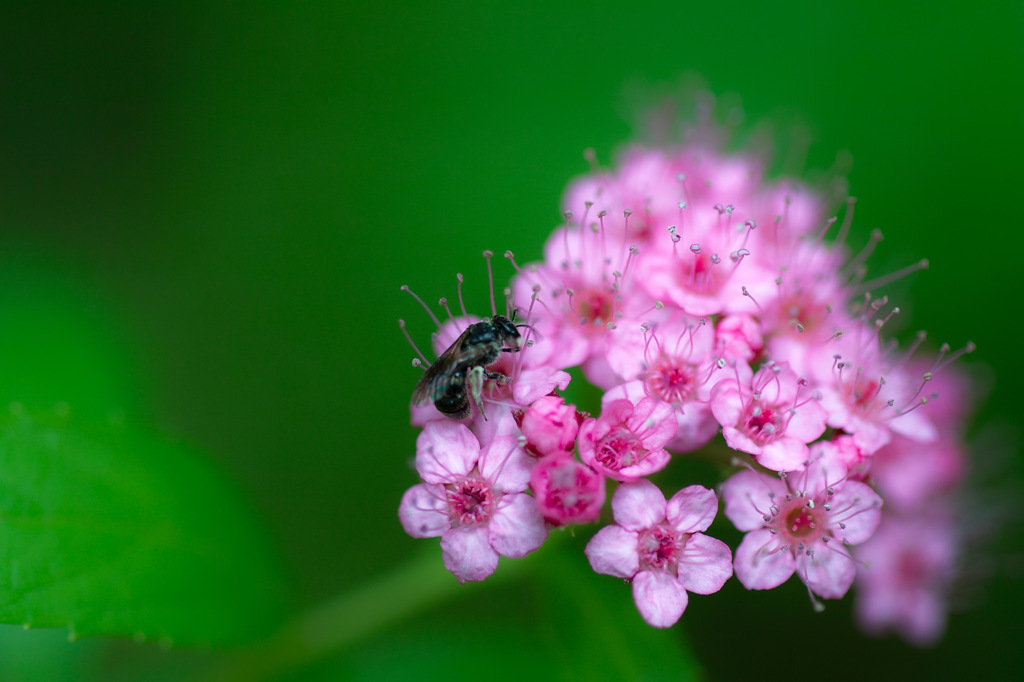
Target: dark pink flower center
(595, 309)
(801, 522)
(671, 380)
(863, 393)
(801, 312)
(763, 424)
(699, 274)
(470, 501)
(659, 547)
(620, 449)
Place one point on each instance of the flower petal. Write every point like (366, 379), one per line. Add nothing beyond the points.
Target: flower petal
(535, 383)
(784, 454)
(692, 509)
(748, 497)
(760, 564)
(613, 551)
(828, 572)
(638, 505)
(654, 423)
(659, 597)
(704, 564)
(506, 465)
(468, 554)
(424, 511)
(517, 526)
(445, 450)
(859, 509)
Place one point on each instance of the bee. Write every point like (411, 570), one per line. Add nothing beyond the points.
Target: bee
(459, 372)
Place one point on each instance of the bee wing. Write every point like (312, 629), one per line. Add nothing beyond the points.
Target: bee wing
(440, 375)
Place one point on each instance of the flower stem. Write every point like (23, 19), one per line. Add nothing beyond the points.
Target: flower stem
(335, 625)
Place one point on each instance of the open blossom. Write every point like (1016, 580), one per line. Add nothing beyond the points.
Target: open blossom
(628, 441)
(801, 523)
(770, 415)
(867, 396)
(906, 575)
(661, 549)
(473, 498)
(586, 284)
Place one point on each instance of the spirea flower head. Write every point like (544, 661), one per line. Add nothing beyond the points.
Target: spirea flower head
(723, 314)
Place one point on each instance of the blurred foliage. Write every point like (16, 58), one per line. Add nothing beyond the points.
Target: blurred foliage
(207, 212)
(108, 530)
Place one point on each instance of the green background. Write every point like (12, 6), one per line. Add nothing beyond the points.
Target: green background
(224, 200)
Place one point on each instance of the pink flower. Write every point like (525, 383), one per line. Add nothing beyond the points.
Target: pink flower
(870, 398)
(694, 428)
(550, 427)
(671, 361)
(766, 415)
(739, 338)
(566, 491)
(646, 182)
(905, 578)
(473, 498)
(660, 548)
(704, 268)
(800, 523)
(907, 473)
(627, 441)
(584, 286)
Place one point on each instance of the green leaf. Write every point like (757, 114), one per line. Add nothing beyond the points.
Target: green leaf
(106, 529)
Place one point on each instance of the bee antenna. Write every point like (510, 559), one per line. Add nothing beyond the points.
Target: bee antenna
(401, 325)
(490, 280)
(412, 293)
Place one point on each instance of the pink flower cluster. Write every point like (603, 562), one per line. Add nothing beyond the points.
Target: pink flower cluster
(703, 299)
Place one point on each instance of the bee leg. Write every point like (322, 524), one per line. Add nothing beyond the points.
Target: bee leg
(500, 378)
(475, 384)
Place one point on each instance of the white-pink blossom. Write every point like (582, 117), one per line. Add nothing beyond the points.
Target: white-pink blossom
(771, 415)
(802, 522)
(627, 441)
(661, 549)
(906, 574)
(473, 498)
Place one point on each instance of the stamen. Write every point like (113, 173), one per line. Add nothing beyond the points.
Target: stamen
(969, 347)
(462, 304)
(490, 280)
(847, 221)
(751, 297)
(401, 325)
(853, 266)
(412, 293)
(512, 259)
(892, 277)
(443, 302)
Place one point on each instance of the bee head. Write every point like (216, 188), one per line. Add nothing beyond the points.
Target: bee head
(509, 334)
